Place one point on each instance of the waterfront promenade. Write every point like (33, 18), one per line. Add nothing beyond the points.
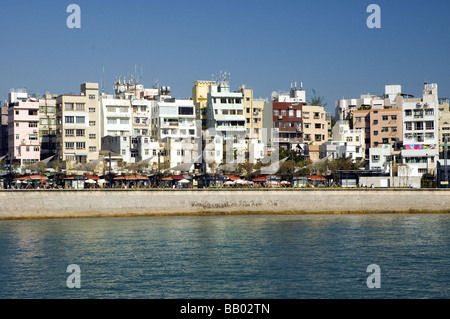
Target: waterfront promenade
(25, 204)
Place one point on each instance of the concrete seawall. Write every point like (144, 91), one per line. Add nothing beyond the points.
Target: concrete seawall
(25, 204)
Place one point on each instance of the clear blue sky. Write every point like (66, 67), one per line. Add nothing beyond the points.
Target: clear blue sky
(263, 44)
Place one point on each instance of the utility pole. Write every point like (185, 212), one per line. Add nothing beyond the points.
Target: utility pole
(110, 179)
(445, 162)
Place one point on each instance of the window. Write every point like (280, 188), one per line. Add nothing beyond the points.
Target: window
(408, 126)
(275, 112)
(418, 114)
(33, 124)
(111, 120)
(91, 97)
(358, 120)
(247, 110)
(349, 139)
(80, 120)
(223, 101)
(69, 132)
(394, 129)
(79, 106)
(283, 112)
(375, 132)
(394, 117)
(429, 112)
(317, 126)
(375, 121)
(239, 112)
(384, 129)
(185, 110)
(375, 158)
(385, 140)
(92, 136)
(291, 113)
(238, 101)
(408, 112)
(69, 119)
(385, 117)
(307, 125)
(68, 106)
(124, 152)
(92, 109)
(69, 145)
(418, 125)
(429, 125)
(91, 123)
(44, 121)
(80, 132)
(36, 149)
(124, 121)
(17, 112)
(92, 148)
(299, 113)
(17, 124)
(17, 136)
(80, 145)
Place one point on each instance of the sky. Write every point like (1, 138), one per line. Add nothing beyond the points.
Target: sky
(266, 45)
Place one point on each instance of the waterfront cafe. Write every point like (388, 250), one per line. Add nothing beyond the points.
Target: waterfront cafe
(131, 181)
(30, 181)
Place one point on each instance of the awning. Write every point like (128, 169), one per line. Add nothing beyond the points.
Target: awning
(233, 177)
(260, 179)
(32, 177)
(130, 177)
(317, 178)
(167, 178)
(94, 177)
(178, 177)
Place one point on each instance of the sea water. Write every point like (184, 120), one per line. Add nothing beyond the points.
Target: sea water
(245, 256)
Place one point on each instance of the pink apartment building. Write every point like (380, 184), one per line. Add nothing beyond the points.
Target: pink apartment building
(23, 129)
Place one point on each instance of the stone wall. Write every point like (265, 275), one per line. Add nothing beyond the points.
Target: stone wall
(16, 204)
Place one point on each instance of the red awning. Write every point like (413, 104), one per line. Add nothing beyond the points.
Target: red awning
(32, 177)
(92, 177)
(233, 177)
(178, 177)
(131, 177)
(317, 178)
(166, 178)
(260, 179)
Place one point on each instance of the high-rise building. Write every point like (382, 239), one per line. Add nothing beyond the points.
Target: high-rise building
(200, 97)
(47, 125)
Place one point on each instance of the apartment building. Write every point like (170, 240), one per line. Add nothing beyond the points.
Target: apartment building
(283, 115)
(381, 126)
(420, 131)
(225, 111)
(253, 111)
(444, 125)
(78, 127)
(23, 128)
(346, 143)
(315, 125)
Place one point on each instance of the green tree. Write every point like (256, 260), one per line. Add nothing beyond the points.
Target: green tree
(317, 100)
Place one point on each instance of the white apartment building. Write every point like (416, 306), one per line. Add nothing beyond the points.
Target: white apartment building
(225, 111)
(174, 119)
(380, 157)
(420, 131)
(345, 143)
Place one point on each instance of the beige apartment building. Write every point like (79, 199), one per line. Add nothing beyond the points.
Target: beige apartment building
(315, 125)
(77, 123)
(253, 111)
(444, 124)
(381, 126)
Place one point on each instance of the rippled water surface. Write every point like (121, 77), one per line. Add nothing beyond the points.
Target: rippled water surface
(301, 256)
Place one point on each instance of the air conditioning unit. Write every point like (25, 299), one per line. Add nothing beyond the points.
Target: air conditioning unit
(280, 117)
(35, 131)
(290, 106)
